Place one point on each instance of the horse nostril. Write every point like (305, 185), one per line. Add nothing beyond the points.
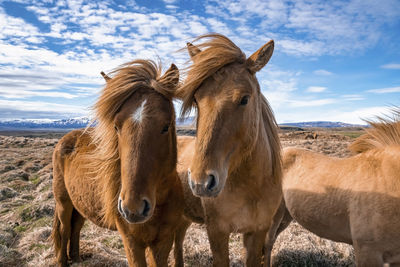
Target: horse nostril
(146, 208)
(211, 183)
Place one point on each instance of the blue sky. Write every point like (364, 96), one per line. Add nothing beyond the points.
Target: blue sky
(333, 60)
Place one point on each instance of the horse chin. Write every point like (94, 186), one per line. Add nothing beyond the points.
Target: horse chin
(136, 219)
(212, 194)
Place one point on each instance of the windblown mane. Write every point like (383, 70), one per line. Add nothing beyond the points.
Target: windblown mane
(383, 132)
(104, 159)
(271, 128)
(217, 52)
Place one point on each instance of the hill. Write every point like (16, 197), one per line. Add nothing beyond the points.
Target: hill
(45, 124)
(320, 124)
(75, 123)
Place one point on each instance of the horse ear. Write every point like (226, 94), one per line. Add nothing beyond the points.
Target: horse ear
(192, 49)
(170, 77)
(105, 76)
(261, 57)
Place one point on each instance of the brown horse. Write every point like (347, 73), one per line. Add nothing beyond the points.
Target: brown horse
(354, 200)
(234, 161)
(121, 174)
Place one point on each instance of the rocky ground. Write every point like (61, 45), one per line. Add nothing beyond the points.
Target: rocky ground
(27, 206)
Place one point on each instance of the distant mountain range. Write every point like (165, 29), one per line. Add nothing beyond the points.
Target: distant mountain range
(321, 124)
(38, 124)
(74, 123)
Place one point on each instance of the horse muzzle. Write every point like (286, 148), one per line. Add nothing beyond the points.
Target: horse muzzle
(211, 187)
(141, 215)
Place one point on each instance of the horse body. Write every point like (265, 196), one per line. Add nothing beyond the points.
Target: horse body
(354, 200)
(121, 174)
(68, 183)
(234, 161)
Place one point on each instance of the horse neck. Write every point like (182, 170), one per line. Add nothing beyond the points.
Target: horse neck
(166, 185)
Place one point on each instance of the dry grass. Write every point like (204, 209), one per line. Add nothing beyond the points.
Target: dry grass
(26, 209)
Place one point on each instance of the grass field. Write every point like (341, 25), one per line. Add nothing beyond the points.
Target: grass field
(27, 206)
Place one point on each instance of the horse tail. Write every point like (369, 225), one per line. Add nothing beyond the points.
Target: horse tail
(55, 234)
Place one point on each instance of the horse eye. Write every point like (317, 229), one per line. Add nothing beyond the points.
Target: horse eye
(165, 129)
(116, 128)
(244, 100)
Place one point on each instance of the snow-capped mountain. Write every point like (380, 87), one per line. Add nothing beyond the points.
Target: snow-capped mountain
(72, 123)
(75, 123)
(321, 124)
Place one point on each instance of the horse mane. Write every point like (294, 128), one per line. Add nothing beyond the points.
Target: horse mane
(217, 51)
(103, 160)
(383, 132)
(271, 128)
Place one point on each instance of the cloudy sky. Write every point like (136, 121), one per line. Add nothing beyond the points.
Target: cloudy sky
(333, 60)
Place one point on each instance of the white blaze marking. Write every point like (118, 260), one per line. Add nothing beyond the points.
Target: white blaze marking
(137, 116)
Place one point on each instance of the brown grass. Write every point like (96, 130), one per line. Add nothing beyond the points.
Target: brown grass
(26, 208)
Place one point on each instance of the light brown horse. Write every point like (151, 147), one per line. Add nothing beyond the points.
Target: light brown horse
(353, 200)
(121, 174)
(234, 161)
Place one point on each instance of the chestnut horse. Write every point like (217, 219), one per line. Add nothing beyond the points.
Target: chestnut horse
(121, 174)
(233, 165)
(353, 200)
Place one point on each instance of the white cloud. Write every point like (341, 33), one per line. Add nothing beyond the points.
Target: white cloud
(16, 28)
(40, 106)
(278, 90)
(311, 102)
(353, 97)
(391, 66)
(219, 26)
(18, 93)
(385, 90)
(322, 27)
(301, 48)
(316, 89)
(322, 72)
(356, 116)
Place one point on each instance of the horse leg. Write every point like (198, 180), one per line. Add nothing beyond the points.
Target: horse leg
(178, 242)
(280, 221)
(253, 243)
(64, 212)
(135, 251)
(219, 243)
(367, 256)
(160, 250)
(77, 222)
